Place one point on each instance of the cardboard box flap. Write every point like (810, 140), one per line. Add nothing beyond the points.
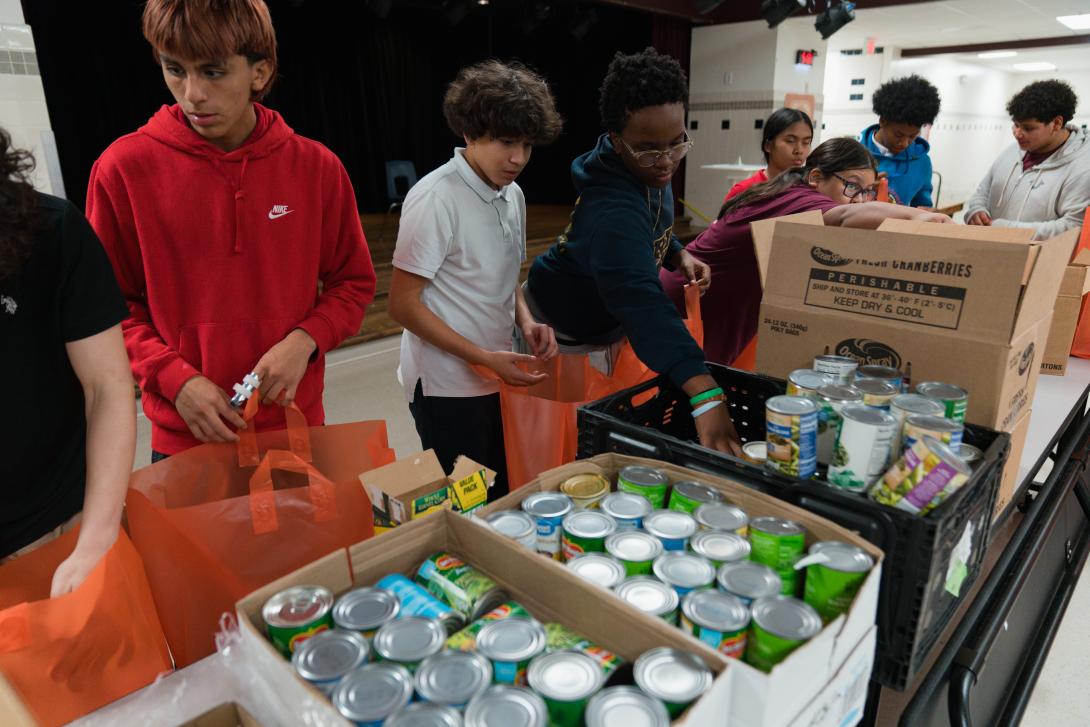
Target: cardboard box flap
(1040, 294)
(1017, 235)
(403, 478)
(1076, 281)
(764, 230)
(225, 715)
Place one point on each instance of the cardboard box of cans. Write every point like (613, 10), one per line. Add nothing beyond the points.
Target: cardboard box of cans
(814, 673)
(225, 715)
(548, 591)
(1065, 316)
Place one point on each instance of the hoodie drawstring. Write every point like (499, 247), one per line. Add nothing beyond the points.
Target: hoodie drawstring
(1029, 191)
(1003, 192)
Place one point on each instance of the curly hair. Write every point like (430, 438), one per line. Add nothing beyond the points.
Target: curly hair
(1043, 101)
(501, 100)
(910, 100)
(636, 81)
(19, 212)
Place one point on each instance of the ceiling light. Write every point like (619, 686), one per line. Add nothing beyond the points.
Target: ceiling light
(1035, 66)
(998, 54)
(1075, 22)
(777, 11)
(834, 18)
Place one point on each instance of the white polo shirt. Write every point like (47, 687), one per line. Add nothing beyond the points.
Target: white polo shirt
(469, 241)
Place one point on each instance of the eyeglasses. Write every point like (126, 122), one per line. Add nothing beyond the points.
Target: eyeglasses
(651, 157)
(853, 190)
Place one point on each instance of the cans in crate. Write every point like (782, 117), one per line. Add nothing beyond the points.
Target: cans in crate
(902, 407)
(841, 368)
(688, 496)
(515, 525)
(373, 693)
(884, 373)
(409, 641)
(877, 393)
(947, 431)
(755, 452)
(453, 678)
(651, 596)
(625, 705)
(326, 658)
(684, 572)
(560, 638)
(718, 619)
(635, 549)
(780, 624)
(459, 585)
(671, 527)
(834, 573)
(922, 478)
(566, 680)
(675, 677)
(792, 436)
(862, 448)
(510, 644)
(548, 510)
(646, 482)
(748, 581)
(415, 600)
(294, 615)
(831, 399)
(719, 547)
(586, 490)
(501, 704)
(954, 399)
(599, 568)
(466, 639)
(778, 543)
(366, 610)
(626, 509)
(806, 382)
(585, 531)
(721, 516)
(970, 454)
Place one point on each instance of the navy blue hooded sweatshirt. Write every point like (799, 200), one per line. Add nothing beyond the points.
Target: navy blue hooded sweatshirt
(603, 271)
(909, 172)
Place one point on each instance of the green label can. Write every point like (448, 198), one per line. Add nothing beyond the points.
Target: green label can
(585, 531)
(955, 400)
(560, 638)
(635, 549)
(566, 680)
(780, 624)
(459, 585)
(806, 382)
(688, 496)
(646, 482)
(466, 639)
(676, 677)
(294, 615)
(834, 573)
(778, 544)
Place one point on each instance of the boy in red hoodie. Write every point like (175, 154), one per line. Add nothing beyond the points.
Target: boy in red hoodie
(220, 223)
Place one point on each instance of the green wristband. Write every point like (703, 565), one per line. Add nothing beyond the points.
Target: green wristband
(709, 394)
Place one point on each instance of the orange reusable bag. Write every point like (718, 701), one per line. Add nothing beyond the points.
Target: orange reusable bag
(211, 531)
(1081, 345)
(70, 655)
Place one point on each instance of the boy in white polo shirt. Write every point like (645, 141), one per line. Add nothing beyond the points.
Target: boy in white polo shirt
(455, 286)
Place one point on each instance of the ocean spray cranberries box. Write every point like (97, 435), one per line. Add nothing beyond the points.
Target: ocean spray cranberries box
(967, 305)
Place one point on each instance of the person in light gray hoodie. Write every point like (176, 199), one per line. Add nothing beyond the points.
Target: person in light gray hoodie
(1043, 181)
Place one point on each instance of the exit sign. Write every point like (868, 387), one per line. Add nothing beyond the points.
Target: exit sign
(805, 57)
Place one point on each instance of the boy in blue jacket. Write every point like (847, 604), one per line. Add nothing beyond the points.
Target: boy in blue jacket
(903, 105)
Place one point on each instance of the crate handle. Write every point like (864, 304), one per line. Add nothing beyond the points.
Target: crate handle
(627, 444)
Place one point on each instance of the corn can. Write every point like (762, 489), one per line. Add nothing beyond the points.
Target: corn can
(954, 399)
(806, 382)
(792, 436)
(586, 490)
(922, 478)
(862, 448)
(947, 431)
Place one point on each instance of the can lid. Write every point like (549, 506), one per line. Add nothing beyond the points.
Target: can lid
(867, 415)
(672, 675)
(547, 504)
(410, 639)
(757, 450)
(969, 453)
(715, 610)
(794, 405)
(720, 516)
(585, 485)
(720, 545)
(876, 386)
(918, 404)
(512, 523)
(935, 424)
(502, 704)
(367, 608)
(634, 546)
(330, 655)
(836, 555)
(600, 568)
(514, 638)
(422, 714)
(297, 606)
(786, 617)
(836, 359)
(839, 392)
(686, 570)
(625, 505)
(941, 390)
(565, 676)
(698, 491)
(648, 595)
(670, 524)
(643, 476)
(809, 379)
(749, 579)
(776, 526)
(373, 692)
(876, 371)
(625, 705)
(589, 524)
(947, 455)
(453, 677)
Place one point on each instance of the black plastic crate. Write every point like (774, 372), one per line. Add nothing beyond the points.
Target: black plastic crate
(653, 420)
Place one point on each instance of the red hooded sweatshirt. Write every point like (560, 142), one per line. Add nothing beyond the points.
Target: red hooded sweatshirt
(219, 256)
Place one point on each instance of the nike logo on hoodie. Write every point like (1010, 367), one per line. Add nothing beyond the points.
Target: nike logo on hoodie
(278, 211)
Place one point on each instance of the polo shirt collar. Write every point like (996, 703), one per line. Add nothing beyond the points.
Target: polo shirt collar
(478, 185)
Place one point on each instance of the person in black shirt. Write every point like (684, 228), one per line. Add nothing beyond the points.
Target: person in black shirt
(68, 433)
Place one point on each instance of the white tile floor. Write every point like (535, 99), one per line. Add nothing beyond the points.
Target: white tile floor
(361, 383)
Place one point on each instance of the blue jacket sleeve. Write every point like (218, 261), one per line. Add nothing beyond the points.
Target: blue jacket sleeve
(923, 197)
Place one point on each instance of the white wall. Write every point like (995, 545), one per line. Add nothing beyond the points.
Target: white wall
(1079, 80)
(843, 116)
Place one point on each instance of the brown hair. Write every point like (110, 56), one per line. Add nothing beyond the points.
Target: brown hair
(501, 100)
(212, 30)
(20, 216)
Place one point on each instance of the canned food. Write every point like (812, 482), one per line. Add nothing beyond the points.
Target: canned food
(684, 572)
(416, 601)
(646, 482)
(720, 516)
(806, 382)
(635, 549)
(510, 644)
(718, 619)
(831, 399)
(748, 581)
(922, 478)
(459, 585)
(883, 373)
(373, 693)
(324, 659)
(466, 639)
(675, 677)
(671, 527)
(296, 614)
(902, 407)
(501, 704)
(626, 509)
(365, 610)
(516, 525)
(877, 393)
(719, 547)
(585, 490)
(453, 678)
(409, 641)
(650, 596)
(954, 399)
(834, 573)
(778, 543)
(585, 531)
(688, 496)
(969, 454)
(947, 431)
(561, 638)
(625, 705)
(755, 452)
(548, 510)
(780, 624)
(841, 368)
(792, 436)
(862, 447)
(599, 568)
(566, 680)
(422, 714)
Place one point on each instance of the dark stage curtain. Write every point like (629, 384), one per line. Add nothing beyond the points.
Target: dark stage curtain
(674, 36)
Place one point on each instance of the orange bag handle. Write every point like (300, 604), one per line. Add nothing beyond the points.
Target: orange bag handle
(692, 311)
(297, 428)
(263, 498)
(883, 190)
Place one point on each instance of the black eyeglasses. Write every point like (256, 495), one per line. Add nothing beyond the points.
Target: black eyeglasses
(853, 190)
(651, 157)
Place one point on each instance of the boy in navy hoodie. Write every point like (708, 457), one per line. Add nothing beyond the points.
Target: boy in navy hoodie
(600, 282)
(904, 106)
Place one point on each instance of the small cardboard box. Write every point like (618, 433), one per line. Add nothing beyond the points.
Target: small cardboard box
(758, 699)
(1065, 316)
(966, 305)
(1009, 483)
(225, 715)
(548, 590)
